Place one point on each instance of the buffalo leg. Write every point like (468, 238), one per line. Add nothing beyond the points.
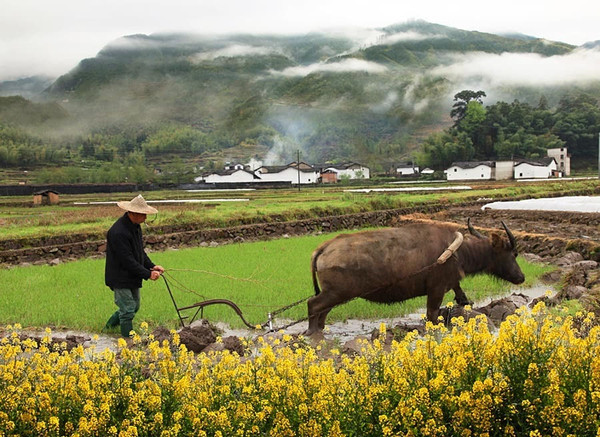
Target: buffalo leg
(318, 308)
(460, 297)
(322, 317)
(434, 300)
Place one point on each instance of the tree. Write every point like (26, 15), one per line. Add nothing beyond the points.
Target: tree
(442, 149)
(472, 124)
(462, 99)
(578, 124)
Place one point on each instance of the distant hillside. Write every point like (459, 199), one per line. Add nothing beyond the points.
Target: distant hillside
(332, 96)
(30, 87)
(20, 111)
(592, 45)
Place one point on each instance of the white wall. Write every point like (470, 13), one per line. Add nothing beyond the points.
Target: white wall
(528, 171)
(562, 159)
(481, 172)
(352, 173)
(407, 170)
(290, 175)
(237, 176)
(504, 170)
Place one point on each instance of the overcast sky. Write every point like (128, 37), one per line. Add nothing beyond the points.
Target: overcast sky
(51, 37)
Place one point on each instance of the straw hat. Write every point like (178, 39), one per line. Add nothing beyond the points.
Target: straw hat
(137, 204)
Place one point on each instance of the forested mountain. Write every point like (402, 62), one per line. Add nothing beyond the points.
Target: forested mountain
(193, 101)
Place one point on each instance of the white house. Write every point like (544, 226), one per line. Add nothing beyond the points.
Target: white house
(228, 176)
(291, 173)
(468, 171)
(407, 169)
(427, 171)
(535, 169)
(562, 158)
(351, 170)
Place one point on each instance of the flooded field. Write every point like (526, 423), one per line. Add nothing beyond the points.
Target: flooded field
(564, 204)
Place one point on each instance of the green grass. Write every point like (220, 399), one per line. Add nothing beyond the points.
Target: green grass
(260, 277)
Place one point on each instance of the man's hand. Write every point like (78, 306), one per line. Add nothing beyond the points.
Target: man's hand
(156, 271)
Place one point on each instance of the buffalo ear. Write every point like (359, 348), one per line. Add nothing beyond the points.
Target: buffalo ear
(497, 241)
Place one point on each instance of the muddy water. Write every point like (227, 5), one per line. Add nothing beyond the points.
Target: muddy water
(352, 328)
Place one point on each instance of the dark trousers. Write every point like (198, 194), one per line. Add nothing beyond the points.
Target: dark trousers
(128, 301)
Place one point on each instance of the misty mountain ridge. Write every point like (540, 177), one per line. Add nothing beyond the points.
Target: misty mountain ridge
(350, 94)
(28, 87)
(592, 45)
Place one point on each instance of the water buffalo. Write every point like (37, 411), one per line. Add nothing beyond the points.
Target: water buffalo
(395, 264)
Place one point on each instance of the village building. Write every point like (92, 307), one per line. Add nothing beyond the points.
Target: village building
(504, 170)
(349, 170)
(329, 177)
(293, 173)
(467, 171)
(562, 158)
(232, 176)
(542, 168)
(45, 197)
(407, 169)
(535, 168)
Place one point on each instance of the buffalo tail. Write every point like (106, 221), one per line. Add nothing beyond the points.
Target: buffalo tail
(313, 268)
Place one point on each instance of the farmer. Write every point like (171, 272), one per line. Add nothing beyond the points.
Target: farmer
(127, 263)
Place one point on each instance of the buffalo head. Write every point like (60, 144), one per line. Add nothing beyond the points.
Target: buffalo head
(502, 262)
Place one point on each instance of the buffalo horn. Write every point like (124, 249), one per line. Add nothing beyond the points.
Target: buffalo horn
(472, 230)
(458, 239)
(511, 237)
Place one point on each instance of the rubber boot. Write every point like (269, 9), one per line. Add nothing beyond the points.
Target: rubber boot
(126, 327)
(113, 321)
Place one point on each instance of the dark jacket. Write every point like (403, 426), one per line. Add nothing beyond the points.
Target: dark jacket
(126, 262)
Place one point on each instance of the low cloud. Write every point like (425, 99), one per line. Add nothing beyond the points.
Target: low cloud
(347, 65)
(234, 50)
(134, 42)
(387, 103)
(358, 36)
(406, 36)
(410, 99)
(529, 69)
